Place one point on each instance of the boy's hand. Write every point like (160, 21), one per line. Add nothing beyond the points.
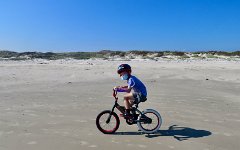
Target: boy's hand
(116, 87)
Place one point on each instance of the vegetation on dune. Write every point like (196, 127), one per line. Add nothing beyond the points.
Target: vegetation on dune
(106, 54)
(141, 53)
(174, 53)
(220, 53)
(8, 54)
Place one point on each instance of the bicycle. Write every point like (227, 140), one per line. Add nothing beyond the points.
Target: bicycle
(148, 120)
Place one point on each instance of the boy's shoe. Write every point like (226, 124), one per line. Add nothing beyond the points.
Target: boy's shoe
(136, 116)
(127, 115)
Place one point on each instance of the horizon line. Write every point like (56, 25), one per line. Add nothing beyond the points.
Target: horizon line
(111, 50)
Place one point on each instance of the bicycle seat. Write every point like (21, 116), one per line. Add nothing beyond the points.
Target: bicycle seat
(143, 100)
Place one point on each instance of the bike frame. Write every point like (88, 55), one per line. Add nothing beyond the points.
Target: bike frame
(148, 120)
(116, 105)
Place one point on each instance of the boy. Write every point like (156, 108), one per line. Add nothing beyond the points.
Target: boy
(139, 93)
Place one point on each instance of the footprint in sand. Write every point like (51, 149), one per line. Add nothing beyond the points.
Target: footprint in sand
(83, 143)
(52, 115)
(52, 123)
(172, 147)
(142, 146)
(33, 115)
(1, 133)
(14, 124)
(27, 134)
(82, 121)
(113, 141)
(10, 132)
(227, 134)
(90, 134)
(93, 146)
(65, 133)
(32, 143)
(219, 121)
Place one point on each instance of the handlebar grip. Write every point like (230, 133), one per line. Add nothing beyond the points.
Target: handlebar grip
(114, 93)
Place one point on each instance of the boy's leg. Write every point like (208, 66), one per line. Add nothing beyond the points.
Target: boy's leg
(127, 102)
(128, 98)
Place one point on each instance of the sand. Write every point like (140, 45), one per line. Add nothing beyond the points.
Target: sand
(46, 105)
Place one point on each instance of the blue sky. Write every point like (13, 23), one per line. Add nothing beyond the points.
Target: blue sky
(92, 25)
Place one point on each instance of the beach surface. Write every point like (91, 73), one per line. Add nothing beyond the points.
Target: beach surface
(47, 105)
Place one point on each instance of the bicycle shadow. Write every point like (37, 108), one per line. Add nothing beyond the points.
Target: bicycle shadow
(179, 133)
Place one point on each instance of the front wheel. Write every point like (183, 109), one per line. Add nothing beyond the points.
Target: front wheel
(149, 121)
(107, 122)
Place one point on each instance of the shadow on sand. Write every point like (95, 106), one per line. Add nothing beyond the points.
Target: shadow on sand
(179, 133)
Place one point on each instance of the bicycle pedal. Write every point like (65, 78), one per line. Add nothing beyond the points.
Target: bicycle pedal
(128, 117)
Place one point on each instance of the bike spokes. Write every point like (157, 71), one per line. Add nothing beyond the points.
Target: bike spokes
(150, 121)
(107, 123)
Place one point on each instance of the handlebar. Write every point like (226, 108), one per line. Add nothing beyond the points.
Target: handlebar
(115, 94)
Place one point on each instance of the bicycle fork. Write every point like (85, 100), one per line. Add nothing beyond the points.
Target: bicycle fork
(120, 108)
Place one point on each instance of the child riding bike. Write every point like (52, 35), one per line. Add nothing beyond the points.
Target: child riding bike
(148, 120)
(139, 93)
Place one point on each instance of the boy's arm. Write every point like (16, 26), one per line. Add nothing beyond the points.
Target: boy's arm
(124, 86)
(126, 89)
(123, 89)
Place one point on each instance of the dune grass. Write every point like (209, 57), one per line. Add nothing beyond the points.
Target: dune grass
(107, 54)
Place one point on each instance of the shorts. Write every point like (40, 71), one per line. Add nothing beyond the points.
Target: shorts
(138, 97)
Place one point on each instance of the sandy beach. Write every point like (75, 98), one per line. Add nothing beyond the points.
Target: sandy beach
(47, 105)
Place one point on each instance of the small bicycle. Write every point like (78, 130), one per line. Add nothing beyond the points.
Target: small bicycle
(148, 121)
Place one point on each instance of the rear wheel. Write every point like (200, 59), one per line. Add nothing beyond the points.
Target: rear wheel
(150, 121)
(105, 125)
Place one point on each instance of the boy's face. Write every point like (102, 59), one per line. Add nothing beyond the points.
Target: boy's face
(122, 73)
